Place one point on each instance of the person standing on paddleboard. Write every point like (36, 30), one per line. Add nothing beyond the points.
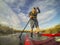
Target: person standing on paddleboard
(33, 19)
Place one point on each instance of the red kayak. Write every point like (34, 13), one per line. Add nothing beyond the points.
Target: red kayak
(51, 35)
(49, 41)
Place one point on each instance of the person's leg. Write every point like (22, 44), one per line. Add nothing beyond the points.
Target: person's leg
(32, 26)
(37, 26)
(32, 33)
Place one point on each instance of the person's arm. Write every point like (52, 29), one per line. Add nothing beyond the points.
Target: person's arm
(38, 10)
(30, 15)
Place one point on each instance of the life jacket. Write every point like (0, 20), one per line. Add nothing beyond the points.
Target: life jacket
(34, 15)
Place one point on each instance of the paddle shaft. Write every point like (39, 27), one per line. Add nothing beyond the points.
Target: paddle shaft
(24, 29)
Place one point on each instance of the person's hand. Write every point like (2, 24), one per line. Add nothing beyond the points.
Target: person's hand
(37, 7)
(31, 17)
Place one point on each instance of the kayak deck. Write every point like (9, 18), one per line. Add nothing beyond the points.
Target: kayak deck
(47, 41)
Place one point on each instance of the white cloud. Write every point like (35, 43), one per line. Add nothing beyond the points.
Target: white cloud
(15, 4)
(10, 1)
(7, 16)
(44, 4)
(46, 16)
(4, 23)
(23, 17)
(18, 2)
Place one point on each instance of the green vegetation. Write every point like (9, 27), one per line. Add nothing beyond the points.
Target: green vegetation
(55, 29)
(7, 30)
(4, 30)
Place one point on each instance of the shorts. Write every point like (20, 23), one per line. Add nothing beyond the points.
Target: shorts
(34, 23)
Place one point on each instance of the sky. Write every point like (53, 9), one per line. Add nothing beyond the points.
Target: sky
(14, 13)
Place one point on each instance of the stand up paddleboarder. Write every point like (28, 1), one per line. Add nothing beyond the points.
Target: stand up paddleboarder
(33, 19)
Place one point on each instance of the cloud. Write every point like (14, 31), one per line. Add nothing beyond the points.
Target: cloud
(46, 16)
(4, 23)
(15, 5)
(23, 17)
(44, 4)
(7, 16)
(9, 1)
(17, 2)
